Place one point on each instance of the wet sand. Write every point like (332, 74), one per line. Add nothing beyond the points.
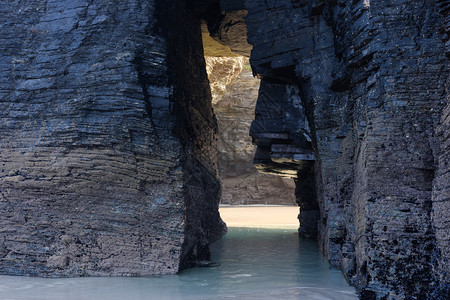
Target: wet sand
(260, 216)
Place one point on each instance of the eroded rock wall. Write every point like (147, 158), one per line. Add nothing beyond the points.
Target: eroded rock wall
(108, 139)
(372, 78)
(441, 185)
(235, 92)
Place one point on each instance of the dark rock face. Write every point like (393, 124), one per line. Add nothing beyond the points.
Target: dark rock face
(108, 139)
(441, 198)
(282, 133)
(108, 148)
(441, 184)
(372, 78)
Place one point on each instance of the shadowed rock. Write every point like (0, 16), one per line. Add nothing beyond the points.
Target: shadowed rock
(102, 169)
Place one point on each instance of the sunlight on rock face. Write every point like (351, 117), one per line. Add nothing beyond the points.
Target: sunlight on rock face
(222, 71)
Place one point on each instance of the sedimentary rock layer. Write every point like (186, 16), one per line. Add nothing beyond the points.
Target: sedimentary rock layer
(372, 77)
(441, 186)
(108, 148)
(108, 139)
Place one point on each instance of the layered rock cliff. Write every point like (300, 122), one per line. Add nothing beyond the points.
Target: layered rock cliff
(359, 89)
(108, 149)
(108, 139)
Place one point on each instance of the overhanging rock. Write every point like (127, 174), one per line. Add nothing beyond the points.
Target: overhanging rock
(281, 131)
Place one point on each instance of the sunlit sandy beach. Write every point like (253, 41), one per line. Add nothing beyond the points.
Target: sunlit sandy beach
(260, 216)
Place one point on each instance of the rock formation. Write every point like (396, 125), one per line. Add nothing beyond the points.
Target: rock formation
(371, 78)
(353, 98)
(222, 72)
(235, 92)
(108, 139)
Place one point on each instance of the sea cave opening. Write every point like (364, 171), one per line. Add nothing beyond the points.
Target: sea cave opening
(268, 198)
(234, 92)
(264, 156)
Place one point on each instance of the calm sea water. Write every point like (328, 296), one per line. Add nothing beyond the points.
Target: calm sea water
(252, 264)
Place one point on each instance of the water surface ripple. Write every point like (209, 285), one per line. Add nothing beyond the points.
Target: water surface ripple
(251, 264)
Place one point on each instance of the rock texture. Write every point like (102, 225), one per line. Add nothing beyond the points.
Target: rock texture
(108, 139)
(441, 185)
(371, 76)
(235, 92)
(226, 23)
(372, 79)
(108, 149)
(222, 72)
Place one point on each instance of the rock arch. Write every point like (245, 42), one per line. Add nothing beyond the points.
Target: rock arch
(108, 135)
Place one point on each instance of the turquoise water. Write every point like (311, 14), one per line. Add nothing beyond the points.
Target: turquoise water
(250, 264)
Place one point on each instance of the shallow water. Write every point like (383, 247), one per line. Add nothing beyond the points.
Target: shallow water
(251, 264)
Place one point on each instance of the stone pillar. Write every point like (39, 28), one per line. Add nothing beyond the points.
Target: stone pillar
(107, 155)
(372, 78)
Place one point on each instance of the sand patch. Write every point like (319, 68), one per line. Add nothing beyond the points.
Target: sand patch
(260, 216)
